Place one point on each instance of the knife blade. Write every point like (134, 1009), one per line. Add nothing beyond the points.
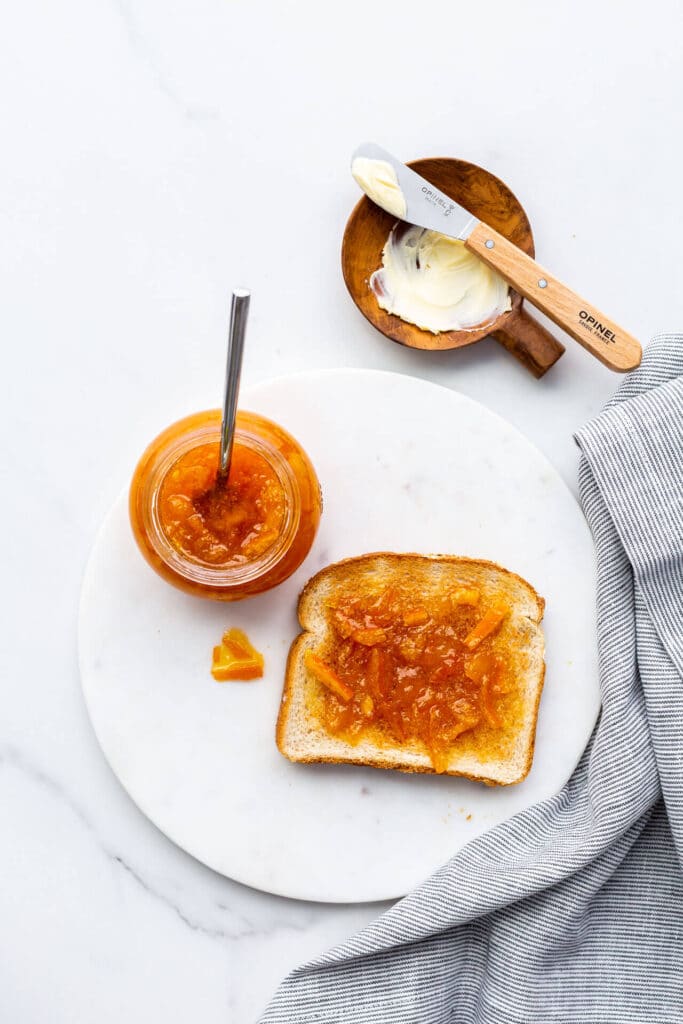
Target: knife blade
(426, 205)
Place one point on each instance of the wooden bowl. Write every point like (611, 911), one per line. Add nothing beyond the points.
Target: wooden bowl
(489, 199)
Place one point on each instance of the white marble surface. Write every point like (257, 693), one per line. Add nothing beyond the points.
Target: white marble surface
(200, 759)
(148, 148)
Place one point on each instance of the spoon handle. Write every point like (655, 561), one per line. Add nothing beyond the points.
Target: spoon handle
(596, 332)
(239, 310)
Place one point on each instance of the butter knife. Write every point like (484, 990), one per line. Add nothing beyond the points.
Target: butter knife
(428, 207)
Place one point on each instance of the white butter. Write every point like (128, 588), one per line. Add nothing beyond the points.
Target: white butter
(378, 180)
(433, 281)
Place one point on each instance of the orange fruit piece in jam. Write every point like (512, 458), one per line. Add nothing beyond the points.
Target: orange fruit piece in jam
(236, 658)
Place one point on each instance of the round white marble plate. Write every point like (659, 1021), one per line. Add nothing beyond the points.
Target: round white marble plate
(405, 466)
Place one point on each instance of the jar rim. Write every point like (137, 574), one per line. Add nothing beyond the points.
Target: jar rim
(204, 573)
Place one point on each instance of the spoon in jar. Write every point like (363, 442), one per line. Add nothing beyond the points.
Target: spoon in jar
(239, 310)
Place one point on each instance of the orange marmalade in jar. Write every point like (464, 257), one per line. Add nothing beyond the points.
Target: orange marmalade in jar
(225, 539)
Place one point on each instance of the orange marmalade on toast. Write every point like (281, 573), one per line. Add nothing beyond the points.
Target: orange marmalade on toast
(401, 670)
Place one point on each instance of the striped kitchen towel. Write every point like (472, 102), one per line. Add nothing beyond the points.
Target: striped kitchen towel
(572, 911)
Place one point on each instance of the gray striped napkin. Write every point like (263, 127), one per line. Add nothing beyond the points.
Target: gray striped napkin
(573, 910)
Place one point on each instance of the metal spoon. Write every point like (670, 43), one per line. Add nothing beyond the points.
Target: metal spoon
(239, 310)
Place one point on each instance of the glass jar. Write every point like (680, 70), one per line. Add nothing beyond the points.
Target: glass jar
(218, 543)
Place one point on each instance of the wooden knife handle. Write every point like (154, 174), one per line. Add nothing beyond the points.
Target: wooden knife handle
(586, 324)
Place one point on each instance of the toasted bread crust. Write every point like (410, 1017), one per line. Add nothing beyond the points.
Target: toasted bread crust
(315, 746)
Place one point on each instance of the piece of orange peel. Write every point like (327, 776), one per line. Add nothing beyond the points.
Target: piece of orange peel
(236, 658)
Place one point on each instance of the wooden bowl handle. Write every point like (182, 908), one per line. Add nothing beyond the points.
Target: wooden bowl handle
(586, 324)
(529, 342)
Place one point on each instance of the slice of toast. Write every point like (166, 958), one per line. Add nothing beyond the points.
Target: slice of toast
(496, 745)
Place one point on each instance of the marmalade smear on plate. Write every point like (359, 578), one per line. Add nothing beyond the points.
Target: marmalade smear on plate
(410, 671)
(236, 658)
